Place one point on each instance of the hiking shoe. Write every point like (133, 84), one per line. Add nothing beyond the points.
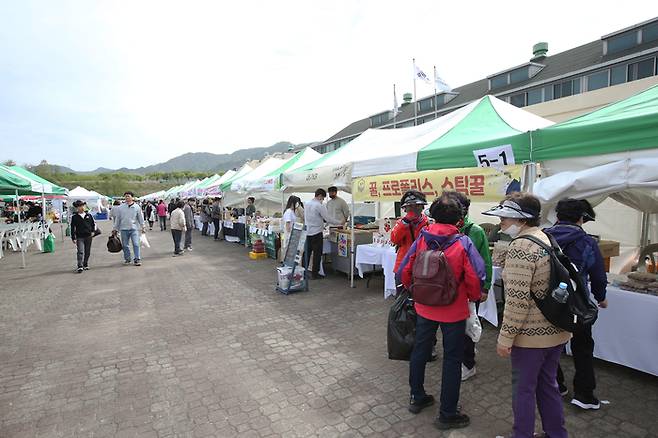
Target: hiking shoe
(138, 263)
(586, 402)
(79, 271)
(467, 373)
(456, 421)
(418, 404)
(189, 248)
(563, 389)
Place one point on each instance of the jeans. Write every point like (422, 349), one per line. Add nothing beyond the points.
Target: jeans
(188, 237)
(204, 229)
(84, 250)
(469, 347)
(453, 350)
(314, 246)
(177, 235)
(582, 348)
(534, 383)
(216, 224)
(163, 223)
(126, 237)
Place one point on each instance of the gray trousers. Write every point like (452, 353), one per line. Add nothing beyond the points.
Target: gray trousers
(188, 238)
(84, 250)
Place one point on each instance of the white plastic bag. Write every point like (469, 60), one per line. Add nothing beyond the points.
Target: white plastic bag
(144, 241)
(473, 326)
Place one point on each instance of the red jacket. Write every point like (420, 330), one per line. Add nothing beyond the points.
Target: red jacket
(466, 264)
(162, 209)
(401, 237)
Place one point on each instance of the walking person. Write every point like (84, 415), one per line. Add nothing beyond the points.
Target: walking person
(584, 253)
(150, 214)
(129, 220)
(162, 215)
(205, 217)
(461, 278)
(82, 234)
(533, 343)
(178, 226)
(315, 216)
(189, 221)
(216, 214)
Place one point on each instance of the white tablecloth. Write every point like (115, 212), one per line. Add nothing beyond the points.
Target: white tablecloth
(199, 225)
(384, 256)
(488, 309)
(626, 332)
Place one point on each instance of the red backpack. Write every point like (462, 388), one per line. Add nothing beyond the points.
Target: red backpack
(433, 282)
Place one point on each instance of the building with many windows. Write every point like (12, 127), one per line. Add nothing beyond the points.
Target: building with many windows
(557, 87)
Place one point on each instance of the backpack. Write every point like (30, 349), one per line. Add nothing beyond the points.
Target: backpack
(579, 311)
(114, 244)
(433, 281)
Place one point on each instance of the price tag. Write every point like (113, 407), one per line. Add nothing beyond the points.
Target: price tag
(498, 156)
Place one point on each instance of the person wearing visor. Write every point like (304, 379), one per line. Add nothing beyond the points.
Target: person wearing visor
(407, 229)
(533, 343)
(584, 253)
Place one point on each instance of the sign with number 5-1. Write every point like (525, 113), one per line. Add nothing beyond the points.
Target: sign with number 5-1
(498, 156)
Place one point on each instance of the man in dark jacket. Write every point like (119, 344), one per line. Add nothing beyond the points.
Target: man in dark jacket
(583, 251)
(82, 231)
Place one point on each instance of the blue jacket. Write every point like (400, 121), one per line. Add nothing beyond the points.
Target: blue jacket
(583, 251)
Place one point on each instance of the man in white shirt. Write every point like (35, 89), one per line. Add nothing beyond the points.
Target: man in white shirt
(315, 215)
(337, 207)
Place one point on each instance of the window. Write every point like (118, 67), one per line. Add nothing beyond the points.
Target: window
(518, 100)
(519, 75)
(425, 105)
(597, 80)
(534, 96)
(576, 85)
(650, 32)
(618, 75)
(639, 70)
(622, 42)
(440, 100)
(566, 89)
(548, 93)
(499, 81)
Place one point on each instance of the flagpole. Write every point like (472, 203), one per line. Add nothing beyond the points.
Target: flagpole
(434, 103)
(415, 103)
(395, 108)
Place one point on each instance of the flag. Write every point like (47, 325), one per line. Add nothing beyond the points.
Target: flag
(440, 84)
(419, 74)
(396, 111)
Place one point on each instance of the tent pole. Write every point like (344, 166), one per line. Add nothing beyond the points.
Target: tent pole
(18, 208)
(352, 245)
(644, 232)
(43, 216)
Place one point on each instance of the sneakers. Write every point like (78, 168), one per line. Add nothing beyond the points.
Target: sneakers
(127, 262)
(467, 373)
(586, 402)
(79, 271)
(456, 421)
(418, 404)
(189, 248)
(176, 254)
(138, 262)
(563, 389)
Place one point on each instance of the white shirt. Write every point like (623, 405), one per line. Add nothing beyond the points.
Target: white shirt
(288, 216)
(338, 209)
(315, 215)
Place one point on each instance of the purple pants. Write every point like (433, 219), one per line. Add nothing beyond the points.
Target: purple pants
(533, 380)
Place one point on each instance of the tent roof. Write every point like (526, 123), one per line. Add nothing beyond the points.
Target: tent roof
(81, 193)
(38, 184)
(627, 125)
(271, 180)
(10, 182)
(264, 169)
(226, 184)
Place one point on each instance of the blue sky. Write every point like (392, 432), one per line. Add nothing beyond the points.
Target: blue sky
(131, 83)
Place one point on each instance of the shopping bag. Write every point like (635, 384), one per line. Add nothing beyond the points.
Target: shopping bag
(473, 325)
(114, 244)
(49, 243)
(144, 241)
(401, 331)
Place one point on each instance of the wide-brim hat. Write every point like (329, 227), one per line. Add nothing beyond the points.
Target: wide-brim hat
(512, 210)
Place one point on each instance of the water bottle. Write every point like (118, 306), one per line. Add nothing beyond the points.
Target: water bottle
(560, 293)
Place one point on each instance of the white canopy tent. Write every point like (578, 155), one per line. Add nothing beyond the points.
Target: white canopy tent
(93, 199)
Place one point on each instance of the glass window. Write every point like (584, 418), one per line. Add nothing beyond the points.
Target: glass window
(622, 42)
(425, 105)
(548, 93)
(499, 81)
(440, 100)
(567, 88)
(618, 75)
(518, 99)
(519, 75)
(557, 91)
(534, 96)
(597, 80)
(650, 32)
(645, 68)
(576, 85)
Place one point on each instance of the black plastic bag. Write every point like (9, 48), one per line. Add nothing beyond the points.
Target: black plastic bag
(114, 244)
(401, 328)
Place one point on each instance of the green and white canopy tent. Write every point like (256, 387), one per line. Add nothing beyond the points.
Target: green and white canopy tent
(14, 184)
(38, 185)
(240, 185)
(214, 186)
(244, 170)
(272, 181)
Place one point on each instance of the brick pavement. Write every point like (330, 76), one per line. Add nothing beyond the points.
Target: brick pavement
(201, 345)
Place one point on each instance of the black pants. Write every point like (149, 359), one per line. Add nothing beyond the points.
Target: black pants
(84, 250)
(177, 235)
(469, 347)
(314, 248)
(204, 229)
(582, 348)
(163, 223)
(216, 224)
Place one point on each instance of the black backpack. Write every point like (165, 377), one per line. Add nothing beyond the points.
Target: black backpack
(579, 311)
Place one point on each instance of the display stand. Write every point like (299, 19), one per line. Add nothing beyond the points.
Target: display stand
(288, 274)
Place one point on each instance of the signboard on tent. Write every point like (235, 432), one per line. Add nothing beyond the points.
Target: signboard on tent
(480, 184)
(339, 176)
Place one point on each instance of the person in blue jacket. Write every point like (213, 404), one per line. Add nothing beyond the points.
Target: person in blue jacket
(583, 251)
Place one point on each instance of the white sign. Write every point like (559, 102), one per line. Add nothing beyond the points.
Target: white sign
(498, 156)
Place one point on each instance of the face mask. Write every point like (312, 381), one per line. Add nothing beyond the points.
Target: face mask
(512, 231)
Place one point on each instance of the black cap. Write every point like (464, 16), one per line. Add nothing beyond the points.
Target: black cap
(570, 209)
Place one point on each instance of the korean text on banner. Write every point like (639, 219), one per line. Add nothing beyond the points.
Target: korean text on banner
(480, 184)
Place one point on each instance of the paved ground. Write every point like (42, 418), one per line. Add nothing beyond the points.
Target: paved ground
(201, 345)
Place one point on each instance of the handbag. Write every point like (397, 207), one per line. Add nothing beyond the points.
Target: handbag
(97, 232)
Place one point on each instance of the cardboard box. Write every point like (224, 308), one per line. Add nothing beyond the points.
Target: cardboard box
(609, 248)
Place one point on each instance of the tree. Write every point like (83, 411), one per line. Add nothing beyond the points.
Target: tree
(9, 162)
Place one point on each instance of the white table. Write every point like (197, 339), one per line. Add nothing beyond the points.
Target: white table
(626, 332)
(384, 256)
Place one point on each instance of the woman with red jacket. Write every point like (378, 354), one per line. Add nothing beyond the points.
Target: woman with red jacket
(408, 228)
(468, 270)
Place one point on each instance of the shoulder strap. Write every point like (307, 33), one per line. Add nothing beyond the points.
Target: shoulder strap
(537, 241)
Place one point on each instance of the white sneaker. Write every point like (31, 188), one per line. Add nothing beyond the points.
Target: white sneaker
(466, 373)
